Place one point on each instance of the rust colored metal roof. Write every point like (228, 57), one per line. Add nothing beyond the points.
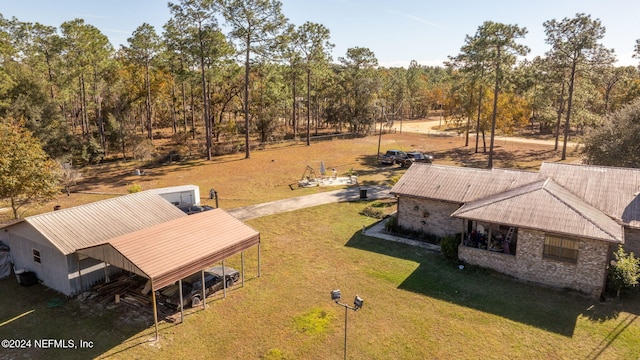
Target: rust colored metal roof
(178, 248)
(546, 206)
(87, 225)
(615, 191)
(459, 184)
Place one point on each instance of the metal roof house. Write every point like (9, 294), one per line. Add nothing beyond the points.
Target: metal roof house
(557, 226)
(71, 249)
(47, 243)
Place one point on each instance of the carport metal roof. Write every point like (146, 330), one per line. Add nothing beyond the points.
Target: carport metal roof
(175, 249)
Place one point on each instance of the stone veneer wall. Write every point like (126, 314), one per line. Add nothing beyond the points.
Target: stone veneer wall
(428, 216)
(587, 275)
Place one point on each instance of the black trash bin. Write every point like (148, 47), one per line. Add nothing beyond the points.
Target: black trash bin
(27, 278)
(363, 193)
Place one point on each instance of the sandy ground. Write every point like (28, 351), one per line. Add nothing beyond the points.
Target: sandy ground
(429, 127)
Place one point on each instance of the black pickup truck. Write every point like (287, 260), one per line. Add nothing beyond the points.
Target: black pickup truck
(404, 159)
(192, 287)
(392, 157)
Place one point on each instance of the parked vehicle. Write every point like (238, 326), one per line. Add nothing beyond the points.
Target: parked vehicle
(392, 157)
(416, 156)
(193, 209)
(192, 287)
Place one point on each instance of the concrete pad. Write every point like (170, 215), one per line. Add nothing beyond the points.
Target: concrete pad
(300, 202)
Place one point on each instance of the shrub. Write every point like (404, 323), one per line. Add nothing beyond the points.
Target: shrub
(384, 204)
(624, 272)
(134, 188)
(274, 354)
(370, 211)
(449, 247)
(392, 224)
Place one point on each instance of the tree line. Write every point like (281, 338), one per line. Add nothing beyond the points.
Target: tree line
(268, 80)
(575, 85)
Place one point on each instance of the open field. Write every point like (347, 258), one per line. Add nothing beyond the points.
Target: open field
(417, 305)
(267, 174)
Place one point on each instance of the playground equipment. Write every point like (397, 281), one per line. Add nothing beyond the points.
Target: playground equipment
(309, 178)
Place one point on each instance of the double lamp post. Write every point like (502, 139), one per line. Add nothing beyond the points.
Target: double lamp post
(357, 304)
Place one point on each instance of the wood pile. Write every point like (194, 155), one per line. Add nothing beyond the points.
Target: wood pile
(125, 288)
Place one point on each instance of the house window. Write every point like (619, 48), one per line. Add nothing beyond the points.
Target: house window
(36, 256)
(560, 248)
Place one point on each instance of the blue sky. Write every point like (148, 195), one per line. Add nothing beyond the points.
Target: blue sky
(396, 31)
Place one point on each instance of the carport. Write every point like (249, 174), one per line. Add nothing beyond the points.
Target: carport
(173, 250)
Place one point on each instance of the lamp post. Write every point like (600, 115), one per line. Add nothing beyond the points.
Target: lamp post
(357, 304)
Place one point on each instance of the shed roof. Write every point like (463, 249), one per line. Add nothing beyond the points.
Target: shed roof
(11, 223)
(175, 189)
(459, 184)
(547, 206)
(613, 190)
(86, 225)
(178, 248)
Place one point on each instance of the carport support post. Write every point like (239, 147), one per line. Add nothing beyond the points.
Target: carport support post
(242, 266)
(224, 282)
(155, 308)
(258, 259)
(181, 301)
(204, 295)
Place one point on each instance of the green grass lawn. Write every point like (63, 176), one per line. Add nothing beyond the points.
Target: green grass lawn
(416, 306)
